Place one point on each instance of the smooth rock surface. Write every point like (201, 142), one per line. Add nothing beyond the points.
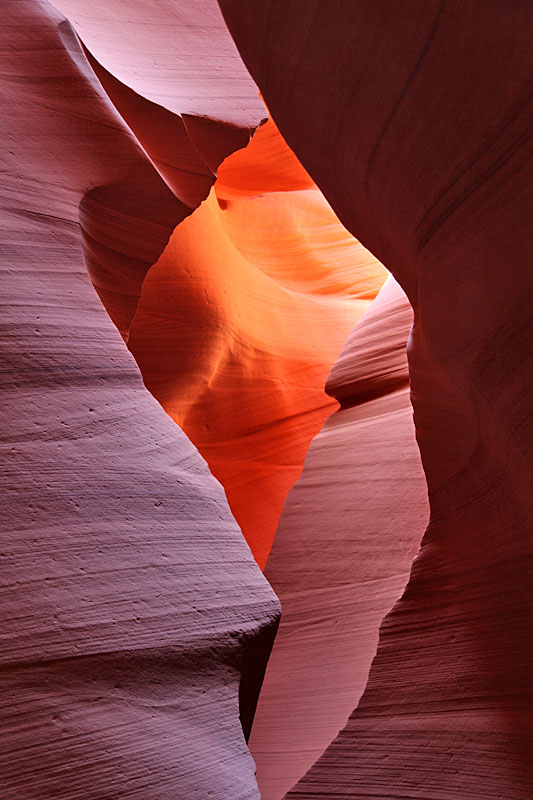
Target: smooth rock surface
(343, 549)
(178, 54)
(241, 319)
(415, 121)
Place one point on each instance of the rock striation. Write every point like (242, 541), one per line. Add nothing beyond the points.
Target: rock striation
(219, 238)
(135, 622)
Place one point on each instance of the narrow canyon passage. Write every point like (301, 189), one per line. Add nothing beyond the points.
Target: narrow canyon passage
(234, 564)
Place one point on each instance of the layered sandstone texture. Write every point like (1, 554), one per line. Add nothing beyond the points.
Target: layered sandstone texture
(228, 253)
(415, 120)
(135, 667)
(135, 622)
(343, 549)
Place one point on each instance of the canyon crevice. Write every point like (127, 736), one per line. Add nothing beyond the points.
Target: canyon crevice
(220, 406)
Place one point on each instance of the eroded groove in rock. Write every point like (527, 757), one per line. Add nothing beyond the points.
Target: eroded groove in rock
(131, 605)
(186, 156)
(343, 549)
(124, 228)
(125, 224)
(416, 123)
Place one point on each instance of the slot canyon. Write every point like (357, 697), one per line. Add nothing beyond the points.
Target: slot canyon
(267, 458)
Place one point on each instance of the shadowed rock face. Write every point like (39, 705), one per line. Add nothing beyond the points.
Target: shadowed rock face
(416, 123)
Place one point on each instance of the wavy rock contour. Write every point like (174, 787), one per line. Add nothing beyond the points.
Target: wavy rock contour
(237, 325)
(240, 320)
(343, 549)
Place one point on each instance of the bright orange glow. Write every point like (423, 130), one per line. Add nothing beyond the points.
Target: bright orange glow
(241, 319)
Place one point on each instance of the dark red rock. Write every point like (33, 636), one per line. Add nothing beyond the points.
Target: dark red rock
(415, 121)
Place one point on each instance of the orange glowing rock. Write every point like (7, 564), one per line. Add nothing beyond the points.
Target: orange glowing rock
(241, 319)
